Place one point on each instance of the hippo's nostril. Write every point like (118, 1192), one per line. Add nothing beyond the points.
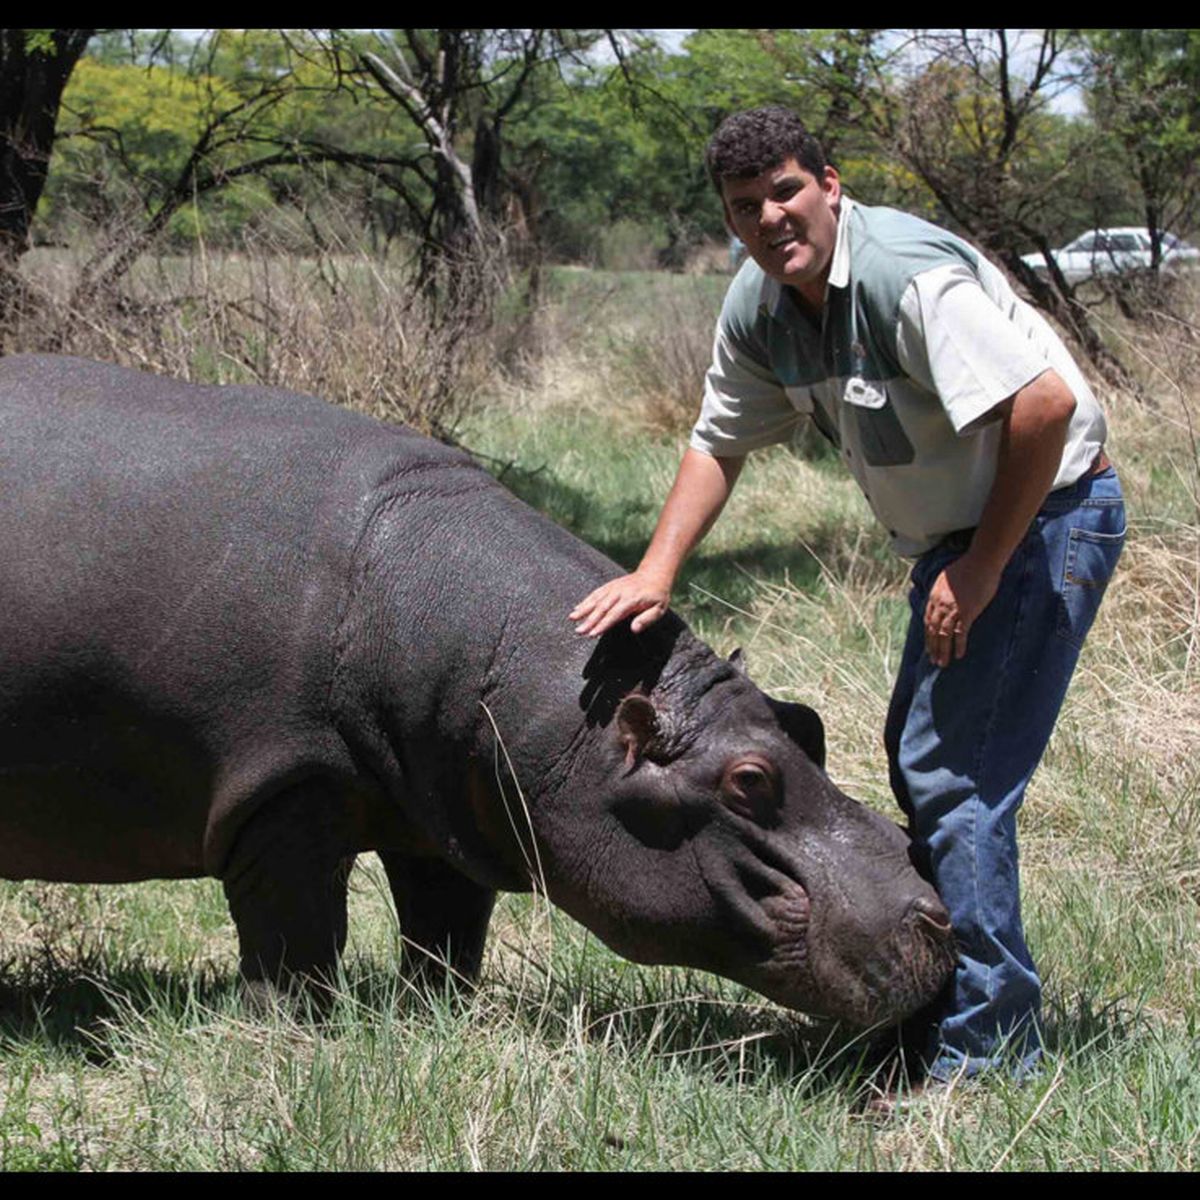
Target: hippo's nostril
(933, 914)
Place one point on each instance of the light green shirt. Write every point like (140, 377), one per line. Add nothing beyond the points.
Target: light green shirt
(921, 338)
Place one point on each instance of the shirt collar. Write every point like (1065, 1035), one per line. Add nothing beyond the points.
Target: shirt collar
(772, 298)
(839, 264)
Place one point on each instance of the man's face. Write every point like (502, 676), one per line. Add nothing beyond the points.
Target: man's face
(788, 220)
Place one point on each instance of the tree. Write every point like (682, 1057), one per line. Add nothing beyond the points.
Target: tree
(239, 108)
(35, 65)
(1145, 90)
(969, 113)
(460, 89)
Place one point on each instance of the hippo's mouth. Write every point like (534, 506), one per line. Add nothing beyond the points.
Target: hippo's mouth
(789, 910)
(816, 964)
(901, 974)
(769, 908)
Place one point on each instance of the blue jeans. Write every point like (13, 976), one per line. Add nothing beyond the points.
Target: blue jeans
(963, 742)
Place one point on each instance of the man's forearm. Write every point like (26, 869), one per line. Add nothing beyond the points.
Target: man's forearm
(1032, 437)
(701, 488)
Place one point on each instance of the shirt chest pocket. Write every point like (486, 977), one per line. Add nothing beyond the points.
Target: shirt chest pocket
(880, 435)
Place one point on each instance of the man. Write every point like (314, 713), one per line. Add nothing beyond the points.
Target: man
(979, 446)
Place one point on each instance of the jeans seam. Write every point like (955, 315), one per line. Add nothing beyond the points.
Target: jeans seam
(980, 751)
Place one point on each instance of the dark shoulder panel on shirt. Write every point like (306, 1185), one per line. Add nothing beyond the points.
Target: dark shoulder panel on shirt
(744, 314)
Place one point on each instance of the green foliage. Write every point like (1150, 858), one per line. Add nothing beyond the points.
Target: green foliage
(24, 1144)
(599, 152)
(39, 41)
(1145, 94)
(288, 136)
(137, 116)
(629, 145)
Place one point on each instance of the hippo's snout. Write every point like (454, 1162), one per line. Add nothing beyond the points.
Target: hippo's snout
(932, 913)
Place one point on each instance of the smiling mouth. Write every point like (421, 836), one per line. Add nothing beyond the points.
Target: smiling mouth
(779, 242)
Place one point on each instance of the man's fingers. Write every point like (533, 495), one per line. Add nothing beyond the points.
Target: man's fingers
(960, 639)
(612, 602)
(647, 618)
(945, 630)
(614, 615)
(936, 646)
(596, 603)
(608, 612)
(946, 640)
(612, 608)
(586, 605)
(601, 617)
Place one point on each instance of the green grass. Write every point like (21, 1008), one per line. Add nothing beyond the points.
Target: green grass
(124, 1043)
(567, 1058)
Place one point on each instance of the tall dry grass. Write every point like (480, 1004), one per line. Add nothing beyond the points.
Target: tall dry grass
(340, 323)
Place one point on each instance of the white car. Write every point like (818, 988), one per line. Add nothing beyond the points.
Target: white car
(1115, 251)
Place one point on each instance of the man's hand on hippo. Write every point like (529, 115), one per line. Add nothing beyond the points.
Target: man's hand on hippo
(641, 595)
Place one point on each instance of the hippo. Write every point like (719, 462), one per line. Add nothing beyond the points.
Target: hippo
(248, 634)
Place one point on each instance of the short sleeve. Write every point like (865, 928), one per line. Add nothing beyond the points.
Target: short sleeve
(744, 407)
(956, 341)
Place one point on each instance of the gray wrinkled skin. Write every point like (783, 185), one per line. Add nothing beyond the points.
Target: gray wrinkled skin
(247, 634)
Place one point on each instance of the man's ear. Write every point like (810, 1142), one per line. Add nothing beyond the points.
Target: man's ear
(831, 185)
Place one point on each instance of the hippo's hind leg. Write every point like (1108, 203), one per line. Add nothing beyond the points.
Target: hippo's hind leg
(443, 918)
(286, 883)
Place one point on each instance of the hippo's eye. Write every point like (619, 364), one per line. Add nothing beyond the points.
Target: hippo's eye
(749, 776)
(749, 786)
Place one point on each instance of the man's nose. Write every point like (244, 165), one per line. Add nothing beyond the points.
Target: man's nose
(771, 214)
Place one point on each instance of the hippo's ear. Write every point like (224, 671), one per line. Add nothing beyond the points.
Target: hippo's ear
(803, 726)
(640, 728)
(737, 660)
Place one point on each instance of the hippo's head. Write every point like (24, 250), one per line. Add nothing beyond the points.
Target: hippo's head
(709, 835)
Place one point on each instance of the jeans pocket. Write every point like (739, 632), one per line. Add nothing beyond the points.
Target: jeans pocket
(1091, 560)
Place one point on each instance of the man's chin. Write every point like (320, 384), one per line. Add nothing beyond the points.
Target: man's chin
(791, 272)
(810, 285)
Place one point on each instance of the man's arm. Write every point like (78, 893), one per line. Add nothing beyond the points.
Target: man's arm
(699, 493)
(1032, 438)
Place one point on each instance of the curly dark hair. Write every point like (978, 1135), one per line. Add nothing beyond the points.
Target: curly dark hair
(751, 142)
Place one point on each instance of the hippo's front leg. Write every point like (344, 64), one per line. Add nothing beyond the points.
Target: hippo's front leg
(443, 918)
(286, 885)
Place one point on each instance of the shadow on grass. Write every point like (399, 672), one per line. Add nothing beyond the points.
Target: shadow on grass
(672, 1019)
(77, 1002)
(621, 529)
(1090, 1026)
(85, 1007)
(74, 1003)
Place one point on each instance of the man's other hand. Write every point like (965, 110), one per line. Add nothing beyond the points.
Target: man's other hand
(619, 598)
(959, 594)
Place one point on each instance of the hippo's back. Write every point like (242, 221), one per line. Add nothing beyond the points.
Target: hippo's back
(175, 558)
